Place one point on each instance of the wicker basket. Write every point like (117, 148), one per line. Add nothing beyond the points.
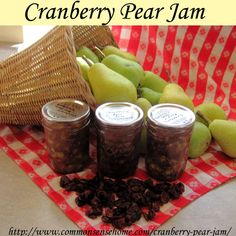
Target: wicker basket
(46, 71)
(91, 36)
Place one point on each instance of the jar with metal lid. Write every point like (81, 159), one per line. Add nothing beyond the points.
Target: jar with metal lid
(119, 127)
(169, 128)
(66, 128)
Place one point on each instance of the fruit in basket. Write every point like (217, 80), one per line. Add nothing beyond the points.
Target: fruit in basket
(109, 50)
(200, 140)
(144, 104)
(85, 51)
(109, 86)
(173, 93)
(224, 132)
(129, 69)
(210, 111)
(84, 67)
(153, 82)
(149, 94)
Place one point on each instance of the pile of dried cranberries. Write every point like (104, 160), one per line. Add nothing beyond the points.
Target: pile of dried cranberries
(119, 202)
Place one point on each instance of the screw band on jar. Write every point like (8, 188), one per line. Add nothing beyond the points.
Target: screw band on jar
(119, 126)
(66, 126)
(169, 128)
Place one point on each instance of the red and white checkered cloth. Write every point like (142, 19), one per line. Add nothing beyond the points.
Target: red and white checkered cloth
(203, 61)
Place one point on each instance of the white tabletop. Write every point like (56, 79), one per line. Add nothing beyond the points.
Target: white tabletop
(23, 205)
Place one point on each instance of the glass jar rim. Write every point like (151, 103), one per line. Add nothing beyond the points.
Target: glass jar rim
(171, 116)
(52, 111)
(129, 114)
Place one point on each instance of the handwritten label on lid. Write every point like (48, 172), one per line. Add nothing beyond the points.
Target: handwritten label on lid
(172, 116)
(65, 110)
(119, 113)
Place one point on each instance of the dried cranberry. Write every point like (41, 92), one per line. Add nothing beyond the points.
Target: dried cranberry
(134, 182)
(119, 186)
(108, 213)
(180, 187)
(138, 198)
(137, 188)
(161, 187)
(104, 197)
(149, 184)
(164, 198)
(93, 213)
(166, 186)
(71, 187)
(95, 202)
(124, 194)
(76, 180)
(155, 206)
(121, 203)
(118, 212)
(80, 188)
(133, 213)
(126, 205)
(90, 213)
(150, 215)
(79, 202)
(150, 195)
(95, 180)
(64, 181)
(108, 185)
(119, 223)
(87, 195)
(82, 182)
(173, 192)
(106, 219)
(97, 211)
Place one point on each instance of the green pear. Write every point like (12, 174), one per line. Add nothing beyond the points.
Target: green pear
(210, 111)
(153, 82)
(152, 96)
(224, 132)
(144, 104)
(173, 93)
(85, 51)
(109, 50)
(129, 69)
(200, 140)
(84, 67)
(109, 86)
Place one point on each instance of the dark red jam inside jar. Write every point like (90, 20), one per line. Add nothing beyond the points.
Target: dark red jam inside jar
(169, 128)
(66, 128)
(119, 127)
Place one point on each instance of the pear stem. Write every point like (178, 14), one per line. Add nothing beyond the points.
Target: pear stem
(87, 61)
(205, 119)
(101, 55)
(139, 91)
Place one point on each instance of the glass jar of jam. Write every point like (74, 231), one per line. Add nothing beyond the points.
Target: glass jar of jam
(119, 127)
(169, 128)
(66, 128)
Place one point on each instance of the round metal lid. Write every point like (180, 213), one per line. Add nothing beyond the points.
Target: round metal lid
(65, 110)
(171, 115)
(118, 114)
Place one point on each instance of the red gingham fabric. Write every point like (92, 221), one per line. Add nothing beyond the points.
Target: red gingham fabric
(202, 59)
